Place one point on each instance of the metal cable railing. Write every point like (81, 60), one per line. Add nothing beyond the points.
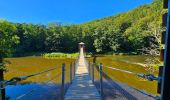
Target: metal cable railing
(65, 81)
(32, 90)
(149, 77)
(101, 73)
(15, 80)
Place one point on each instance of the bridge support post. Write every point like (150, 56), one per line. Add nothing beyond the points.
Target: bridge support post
(74, 69)
(93, 72)
(165, 84)
(101, 80)
(70, 72)
(89, 68)
(63, 82)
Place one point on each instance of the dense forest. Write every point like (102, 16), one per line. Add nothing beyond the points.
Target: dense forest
(126, 32)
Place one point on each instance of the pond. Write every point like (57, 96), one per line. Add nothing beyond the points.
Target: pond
(135, 64)
(37, 87)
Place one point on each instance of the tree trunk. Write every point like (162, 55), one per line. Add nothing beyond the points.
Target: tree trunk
(2, 91)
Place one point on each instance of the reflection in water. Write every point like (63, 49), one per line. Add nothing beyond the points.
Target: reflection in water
(45, 86)
(33, 91)
(29, 65)
(129, 63)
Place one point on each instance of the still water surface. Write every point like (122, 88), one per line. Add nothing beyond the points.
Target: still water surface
(134, 64)
(37, 88)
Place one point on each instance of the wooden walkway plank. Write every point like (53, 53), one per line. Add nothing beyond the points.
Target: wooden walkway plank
(82, 87)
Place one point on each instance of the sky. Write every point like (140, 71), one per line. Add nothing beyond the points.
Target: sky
(66, 11)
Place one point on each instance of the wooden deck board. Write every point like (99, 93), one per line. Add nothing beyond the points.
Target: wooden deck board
(82, 87)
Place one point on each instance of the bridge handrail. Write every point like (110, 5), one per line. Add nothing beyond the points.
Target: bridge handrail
(15, 80)
(63, 88)
(149, 77)
(34, 89)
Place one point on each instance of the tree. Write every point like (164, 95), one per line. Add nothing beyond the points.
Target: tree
(8, 38)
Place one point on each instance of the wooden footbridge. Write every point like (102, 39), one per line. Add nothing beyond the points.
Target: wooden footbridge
(82, 87)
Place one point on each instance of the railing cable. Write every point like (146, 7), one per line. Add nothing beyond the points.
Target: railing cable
(125, 71)
(149, 77)
(32, 90)
(145, 93)
(14, 80)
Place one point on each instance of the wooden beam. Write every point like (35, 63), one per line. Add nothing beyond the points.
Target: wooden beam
(162, 54)
(165, 87)
(164, 19)
(159, 83)
(163, 37)
(165, 4)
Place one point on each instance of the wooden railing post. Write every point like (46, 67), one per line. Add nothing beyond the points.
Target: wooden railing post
(70, 72)
(63, 79)
(2, 91)
(89, 68)
(93, 72)
(74, 69)
(165, 82)
(101, 80)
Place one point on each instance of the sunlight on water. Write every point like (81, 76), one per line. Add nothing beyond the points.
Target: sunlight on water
(128, 63)
(49, 81)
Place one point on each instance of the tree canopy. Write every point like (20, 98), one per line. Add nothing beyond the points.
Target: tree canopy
(8, 38)
(125, 32)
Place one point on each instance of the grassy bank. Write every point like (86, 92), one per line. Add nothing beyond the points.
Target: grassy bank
(153, 64)
(49, 55)
(60, 55)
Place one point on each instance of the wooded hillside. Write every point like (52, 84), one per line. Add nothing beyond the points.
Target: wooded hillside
(125, 32)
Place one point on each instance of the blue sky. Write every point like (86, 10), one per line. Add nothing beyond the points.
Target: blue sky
(67, 11)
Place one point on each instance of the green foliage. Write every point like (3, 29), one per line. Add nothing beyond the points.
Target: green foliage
(32, 37)
(60, 55)
(8, 38)
(3, 65)
(125, 32)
